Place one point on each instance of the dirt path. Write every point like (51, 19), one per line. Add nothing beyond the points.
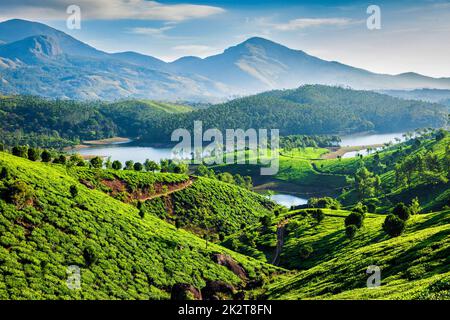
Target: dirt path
(340, 151)
(179, 187)
(280, 242)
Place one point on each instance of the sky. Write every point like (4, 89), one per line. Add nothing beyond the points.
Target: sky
(414, 34)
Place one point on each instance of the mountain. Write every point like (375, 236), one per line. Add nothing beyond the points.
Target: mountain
(429, 95)
(259, 64)
(79, 71)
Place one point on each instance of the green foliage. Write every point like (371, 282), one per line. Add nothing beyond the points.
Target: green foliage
(354, 218)
(394, 226)
(402, 211)
(350, 231)
(138, 166)
(73, 191)
(20, 194)
(33, 154)
(96, 162)
(121, 255)
(46, 156)
(325, 202)
(116, 165)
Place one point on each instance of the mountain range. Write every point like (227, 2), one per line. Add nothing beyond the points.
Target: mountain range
(39, 60)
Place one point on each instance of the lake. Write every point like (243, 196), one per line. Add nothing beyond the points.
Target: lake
(369, 139)
(124, 153)
(288, 200)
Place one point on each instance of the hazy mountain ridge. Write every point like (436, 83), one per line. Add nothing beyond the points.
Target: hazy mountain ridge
(39, 60)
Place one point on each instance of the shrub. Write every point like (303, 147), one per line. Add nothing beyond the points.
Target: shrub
(73, 191)
(4, 173)
(129, 165)
(20, 151)
(2, 147)
(61, 159)
(138, 166)
(393, 225)
(90, 255)
(354, 218)
(318, 215)
(96, 162)
(33, 154)
(305, 251)
(46, 156)
(350, 231)
(360, 208)
(116, 165)
(325, 202)
(20, 194)
(401, 211)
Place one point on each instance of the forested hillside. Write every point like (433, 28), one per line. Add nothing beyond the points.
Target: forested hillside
(307, 110)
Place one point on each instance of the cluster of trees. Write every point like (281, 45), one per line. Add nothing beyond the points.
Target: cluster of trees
(395, 223)
(425, 168)
(237, 179)
(366, 183)
(309, 110)
(325, 202)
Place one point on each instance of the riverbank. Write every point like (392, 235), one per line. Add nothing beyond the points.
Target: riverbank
(340, 151)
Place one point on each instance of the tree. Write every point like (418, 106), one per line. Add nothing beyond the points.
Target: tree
(360, 208)
(151, 165)
(366, 183)
(46, 156)
(203, 171)
(129, 165)
(138, 166)
(33, 154)
(61, 159)
(164, 164)
(402, 211)
(20, 151)
(350, 231)
(73, 191)
(181, 168)
(2, 147)
(354, 218)
(77, 160)
(97, 162)
(393, 225)
(116, 165)
(20, 194)
(415, 208)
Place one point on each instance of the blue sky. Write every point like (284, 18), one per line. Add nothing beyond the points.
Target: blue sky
(414, 35)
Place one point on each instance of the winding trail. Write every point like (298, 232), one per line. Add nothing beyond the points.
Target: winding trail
(179, 187)
(280, 241)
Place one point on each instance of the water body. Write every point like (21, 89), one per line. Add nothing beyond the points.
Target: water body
(123, 152)
(288, 200)
(369, 139)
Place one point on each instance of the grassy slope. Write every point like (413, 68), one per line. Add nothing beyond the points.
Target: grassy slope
(133, 258)
(410, 264)
(207, 206)
(167, 107)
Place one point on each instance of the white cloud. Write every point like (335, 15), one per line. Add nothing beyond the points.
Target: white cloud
(151, 31)
(106, 9)
(303, 23)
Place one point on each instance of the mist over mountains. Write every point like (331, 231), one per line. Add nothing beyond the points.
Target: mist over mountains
(39, 60)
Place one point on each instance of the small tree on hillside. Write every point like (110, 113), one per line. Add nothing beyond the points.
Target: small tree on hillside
(354, 218)
(138, 166)
(401, 211)
(116, 165)
(97, 162)
(33, 154)
(151, 165)
(393, 225)
(129, 165)
(46, 156)
(350, 231)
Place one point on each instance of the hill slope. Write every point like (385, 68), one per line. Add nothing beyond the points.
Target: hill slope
(122, 256)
